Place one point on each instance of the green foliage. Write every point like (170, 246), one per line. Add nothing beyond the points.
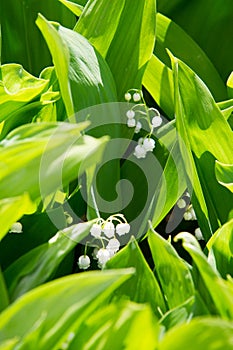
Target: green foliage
(68, 157)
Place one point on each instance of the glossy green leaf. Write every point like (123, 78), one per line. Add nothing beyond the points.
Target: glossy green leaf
(32, 155)
(198, 121)
(11, 210)
(170, 36)
(56, 308)
(158, 80)
(21, 40)
(118, 326)
(172, 183)
(173, 272)
(158, 181)
(224, 174)
(40, 264)
(207, 23)
(226, 108)
(178, 315)
(220, 290)
(79, 68)
(201, 333)
(124, 33)
(76, 9)
(17, 87)
(9, 344)
(131, 256)
(220, 248)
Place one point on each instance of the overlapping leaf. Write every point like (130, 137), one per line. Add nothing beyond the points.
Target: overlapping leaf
(40, 158)
(173, 272)
(56, 308)
(83, 75)
(124, 33)
(131, 256)
(39, 264)
(205, 136)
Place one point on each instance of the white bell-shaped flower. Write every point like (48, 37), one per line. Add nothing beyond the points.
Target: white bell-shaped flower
(130, 114)
(136, 97)
(140, 151)
(149, 144)
(138, 127)
(127, 96)
(131, 123)
(103, 256)
(122, 229)
(84, 262)
(96, 230)
(113, 245)
(109, 229)
(156, 121)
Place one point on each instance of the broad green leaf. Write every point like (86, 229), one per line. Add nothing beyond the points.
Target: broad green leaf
(158, 181)
(170, 35)
(76, 9)
(209, 24)
(17, 87)
(46, 224)
(224, 174)
(21, 40)
(184, 313)
(4, 300)
(226, 108)
(205, 135)
(40, 264)
(41, 158)
(178, 315)
(9, 344)
(220, 290)
(131, 256)
(158, 81)
(201, 333)
(59, 306)
(12, 209)
(124, 33)
(118, 326)
(172, 183)
(220, 248)
(158, 78)
(173, 272)
(79, 68)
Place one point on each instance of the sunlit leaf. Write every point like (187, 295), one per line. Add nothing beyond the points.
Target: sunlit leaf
(131, 256)
(220, 248)
(39, 264)
(224, 174)
(79, 68)
(58, 307)
(204, 133)
(220, 290)
(124, 33)
(11, 210)
(172, 271)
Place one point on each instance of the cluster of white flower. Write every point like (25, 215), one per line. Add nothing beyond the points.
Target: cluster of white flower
(144, 145)
(151, 115)
(106, 232)
(190, 214)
